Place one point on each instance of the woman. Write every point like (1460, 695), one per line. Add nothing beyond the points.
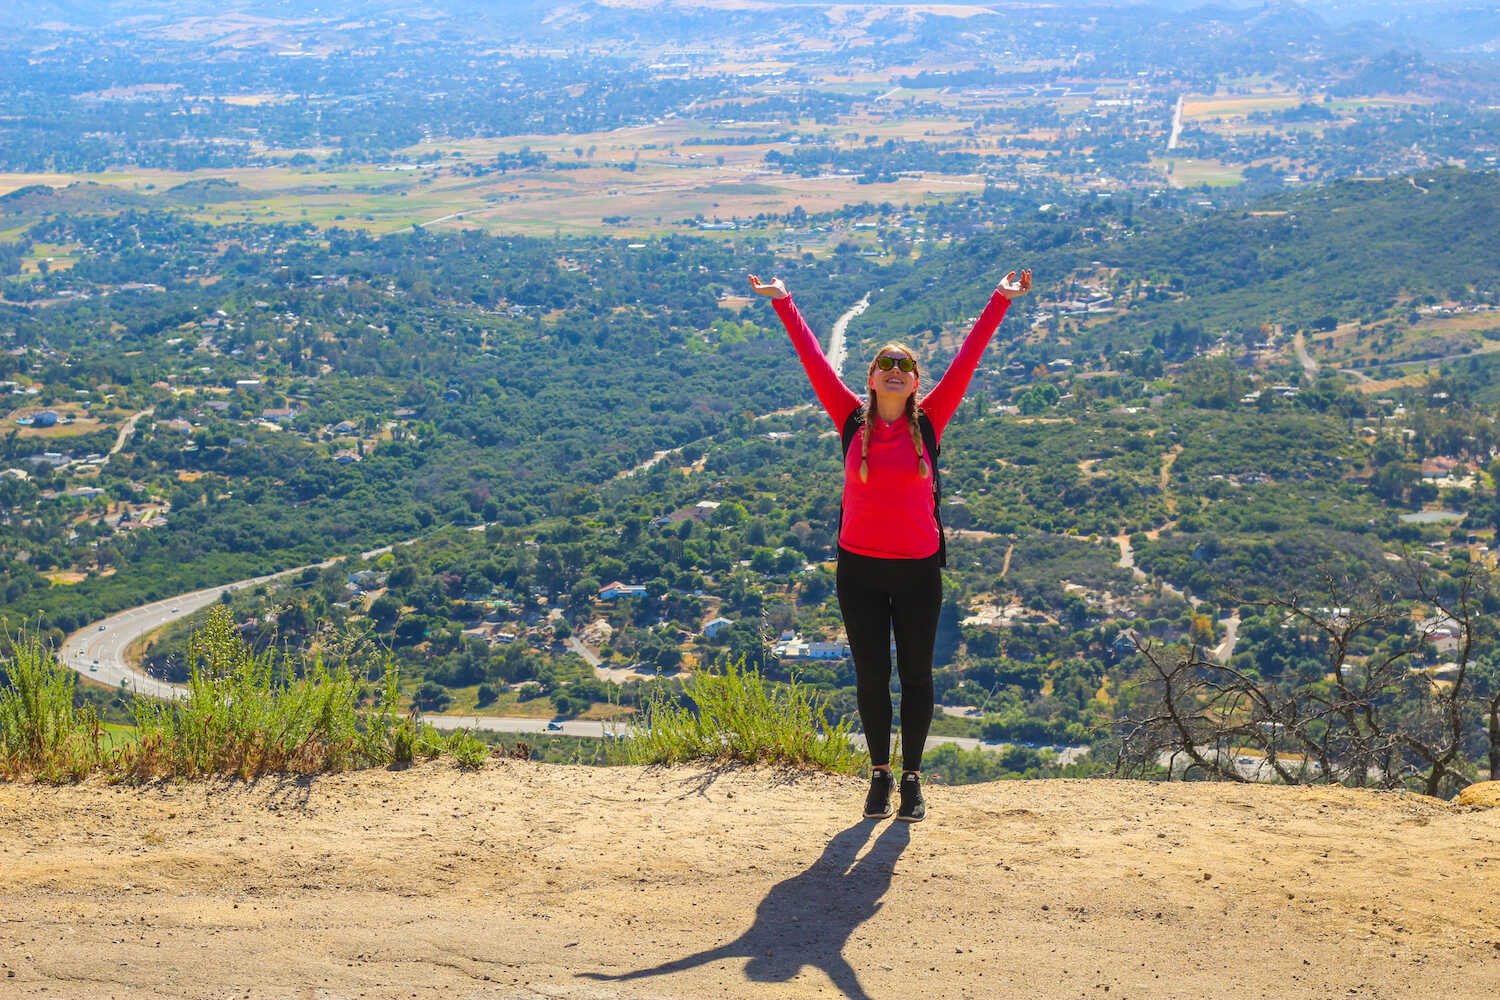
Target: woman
(888, 546)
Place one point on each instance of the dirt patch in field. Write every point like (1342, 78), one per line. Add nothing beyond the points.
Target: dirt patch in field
(65, 578)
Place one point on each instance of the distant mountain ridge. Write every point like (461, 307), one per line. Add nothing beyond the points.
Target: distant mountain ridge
(1449, 28)
(89, 14)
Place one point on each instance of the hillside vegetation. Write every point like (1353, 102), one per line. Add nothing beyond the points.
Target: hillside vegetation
(1143, 454)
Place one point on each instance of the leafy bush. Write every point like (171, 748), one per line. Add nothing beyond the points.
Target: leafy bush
(243, 715)
(40, 731)
(737, 716)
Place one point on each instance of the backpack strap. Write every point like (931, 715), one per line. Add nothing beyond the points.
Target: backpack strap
(852, 424)
(930, 439)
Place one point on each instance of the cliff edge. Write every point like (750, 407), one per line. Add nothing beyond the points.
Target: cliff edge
(531, 881)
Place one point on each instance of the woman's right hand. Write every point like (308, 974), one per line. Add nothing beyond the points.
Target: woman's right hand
(1012, 287)
(773, 289)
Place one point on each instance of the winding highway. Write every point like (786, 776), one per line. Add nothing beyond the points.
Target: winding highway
(838, 346)
(98, 650)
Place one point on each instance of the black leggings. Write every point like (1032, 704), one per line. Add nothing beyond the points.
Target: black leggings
(874, 596)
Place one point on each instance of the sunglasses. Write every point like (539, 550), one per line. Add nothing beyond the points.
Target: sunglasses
(885, 364)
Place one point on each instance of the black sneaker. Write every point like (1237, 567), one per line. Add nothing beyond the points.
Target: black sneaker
(913, 806)
(878, 802)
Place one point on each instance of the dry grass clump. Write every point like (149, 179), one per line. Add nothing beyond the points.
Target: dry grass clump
(1481, 795)
(41, 732)
(731, 714)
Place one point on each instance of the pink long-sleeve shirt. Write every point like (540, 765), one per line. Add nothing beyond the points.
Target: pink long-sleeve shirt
(890, 516)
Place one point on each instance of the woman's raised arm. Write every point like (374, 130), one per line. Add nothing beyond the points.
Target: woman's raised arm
(942, 402)
(838, 399)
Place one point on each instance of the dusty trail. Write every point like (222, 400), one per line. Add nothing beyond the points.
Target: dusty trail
(1309, 366)
(531, 881)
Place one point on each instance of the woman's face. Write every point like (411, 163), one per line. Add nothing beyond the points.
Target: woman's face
(893, 382)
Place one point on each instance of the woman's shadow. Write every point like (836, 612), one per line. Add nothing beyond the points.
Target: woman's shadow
(809, 918)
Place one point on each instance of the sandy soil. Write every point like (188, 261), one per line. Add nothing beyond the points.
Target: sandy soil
(532, 881)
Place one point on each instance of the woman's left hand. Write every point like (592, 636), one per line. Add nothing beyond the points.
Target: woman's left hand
(1012, 287)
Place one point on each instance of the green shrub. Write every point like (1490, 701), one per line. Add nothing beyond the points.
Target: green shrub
(41, 733)
(243, 714)
(743, 718)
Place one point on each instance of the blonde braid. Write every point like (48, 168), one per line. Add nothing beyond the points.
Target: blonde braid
(916, 434)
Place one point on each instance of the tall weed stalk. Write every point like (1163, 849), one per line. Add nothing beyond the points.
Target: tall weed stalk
(244, 714)
(41, 732)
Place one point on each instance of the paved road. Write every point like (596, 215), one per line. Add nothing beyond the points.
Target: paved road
(97, 651)
(1309, 366)
(1225, 649)
(598, 730)
(1176, 125)
(838, 347)
(648, 463)
(127, 430)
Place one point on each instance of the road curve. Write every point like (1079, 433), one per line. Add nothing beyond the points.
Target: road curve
(128, 429)
(97, 651)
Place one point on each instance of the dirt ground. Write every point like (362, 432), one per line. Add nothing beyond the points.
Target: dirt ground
(527, 881)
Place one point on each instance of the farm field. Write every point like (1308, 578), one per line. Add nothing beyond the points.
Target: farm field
(1432, 337)
(72, 421)
(1187, 173)
(1240, 107)
(1196, 107)
(643, 181)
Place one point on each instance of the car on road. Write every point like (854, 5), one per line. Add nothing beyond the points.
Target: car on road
(101, 628)
(554, 726)
(94, 667)
(174, 611)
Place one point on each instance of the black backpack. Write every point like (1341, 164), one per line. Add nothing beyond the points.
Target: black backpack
(930, 441)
